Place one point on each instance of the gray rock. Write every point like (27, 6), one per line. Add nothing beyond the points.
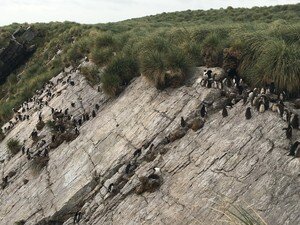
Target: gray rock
(243, 160)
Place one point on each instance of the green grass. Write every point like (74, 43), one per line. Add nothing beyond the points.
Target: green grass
(163, 47)
(238, 213)
(91, 74)
(13, 146)
(119, 73)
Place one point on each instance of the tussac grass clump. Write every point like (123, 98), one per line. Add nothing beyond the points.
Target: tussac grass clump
(119, 73)
(163, 63)
(272, 56)
(91, 73)
(13, 146)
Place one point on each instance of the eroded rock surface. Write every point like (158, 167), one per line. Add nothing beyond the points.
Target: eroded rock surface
(244, 160)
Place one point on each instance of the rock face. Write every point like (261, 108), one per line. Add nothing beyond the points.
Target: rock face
(231, 157)
(20, 47)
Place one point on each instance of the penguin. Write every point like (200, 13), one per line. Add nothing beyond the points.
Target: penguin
(77, 217)
(137, 153)
(267, 104)
(40, 116)
(224, 112)
(255, 101)
(287, 115)
(274, 107)
(23, 149)
(262, 107)
(66, 111)
(182, 122)
(72, 82)
(129, 169)
(262, 91)
(93, 113)
(220, 85)
(281, 96)
(280, 109)
(209, 83)
(155, 175)
(73, 104)
(97, 107)
(203, 111)
(248, 113)
(111, 188)
(272, 88)
(295, 121)
(294, 147)
(79, 121)
(215, 84)
(46, 152)
(288, 132)
(76, 131)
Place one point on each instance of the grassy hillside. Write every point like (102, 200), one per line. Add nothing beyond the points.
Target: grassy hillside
(263, 43)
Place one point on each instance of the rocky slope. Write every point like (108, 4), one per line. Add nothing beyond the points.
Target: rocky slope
(242, 160)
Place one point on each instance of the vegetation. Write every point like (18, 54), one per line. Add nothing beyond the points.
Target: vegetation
(119, 73)
(239, 215)
(13, 146)
(38, 163)
(262, 43)
(91, 73)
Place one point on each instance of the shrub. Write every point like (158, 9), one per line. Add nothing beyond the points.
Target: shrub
(102, 56)
(119, 73)
(13, 146)
(103, 40)
(212, 49)
(268, 58)
(154, 67)
(91, 73)
(166, 69)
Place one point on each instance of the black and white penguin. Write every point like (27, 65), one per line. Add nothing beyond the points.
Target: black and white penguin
(248, 113)
(155, 175)
(182, 122)
(129, 169)
(224, 112)
(295, 149)
(287, 115)
(203, 111)
(111, 188)
(66, 111)
(77, 217)
(93, 113)
(288, 132)
(137, 153)
(76, 131)
(262, 107)
(280, 109)
(295, 121)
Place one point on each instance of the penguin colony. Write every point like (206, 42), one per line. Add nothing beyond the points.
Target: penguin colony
(261, 100)
(66, 127)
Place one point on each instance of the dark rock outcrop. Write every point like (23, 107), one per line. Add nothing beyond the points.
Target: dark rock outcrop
(19, 49)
